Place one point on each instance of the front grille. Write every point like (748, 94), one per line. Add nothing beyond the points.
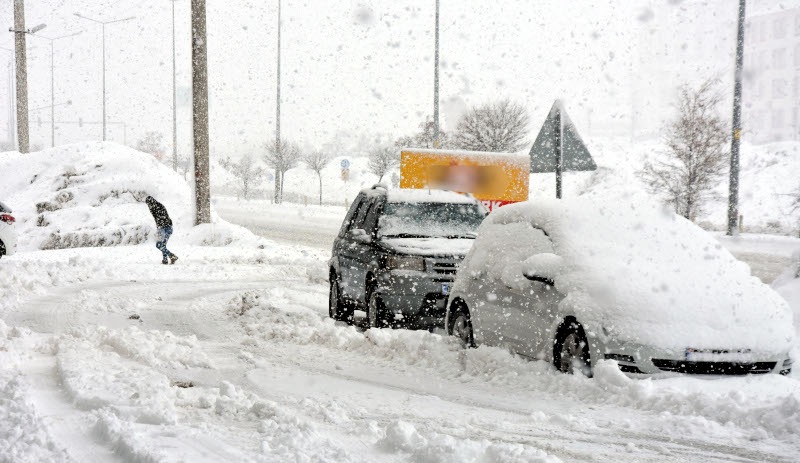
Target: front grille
(445, 268)
(714, 368)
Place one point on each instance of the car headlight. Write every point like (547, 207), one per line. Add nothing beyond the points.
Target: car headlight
(405, 263)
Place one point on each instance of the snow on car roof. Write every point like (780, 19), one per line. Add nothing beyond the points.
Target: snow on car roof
(650, 275)
(408, 195)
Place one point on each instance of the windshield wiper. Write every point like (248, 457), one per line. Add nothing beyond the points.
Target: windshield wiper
(405, 235)
(462, 236)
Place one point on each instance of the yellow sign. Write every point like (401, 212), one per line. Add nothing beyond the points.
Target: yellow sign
(496, 179)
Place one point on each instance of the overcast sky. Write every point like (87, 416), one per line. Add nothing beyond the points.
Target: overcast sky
(366, 67)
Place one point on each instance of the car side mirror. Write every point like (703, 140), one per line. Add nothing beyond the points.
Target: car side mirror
(544, 268)
(541, 279)
(359, 235)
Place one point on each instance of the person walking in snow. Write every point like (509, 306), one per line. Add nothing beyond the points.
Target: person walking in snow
(164, 225)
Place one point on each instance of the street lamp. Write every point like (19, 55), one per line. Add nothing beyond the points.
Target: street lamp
(52, 83)
(103, 24)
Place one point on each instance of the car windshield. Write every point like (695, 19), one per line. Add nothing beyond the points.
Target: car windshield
(430, 220)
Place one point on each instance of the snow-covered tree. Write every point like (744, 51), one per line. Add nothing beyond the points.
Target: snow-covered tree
(382, 159)
(501, 126)
(696, 157)
(152, 143)
(317, 160)
(281, 157)
(424, 138)
(247, 173)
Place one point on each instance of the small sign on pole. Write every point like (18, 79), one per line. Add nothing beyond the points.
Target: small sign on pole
(559, 148)
(345, 164)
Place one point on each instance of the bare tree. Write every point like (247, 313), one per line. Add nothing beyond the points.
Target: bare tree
(152, 143)
(381, 160)
(282, 157)
(248, 173)
(696, 158)
(501, 126)
(316, 161)
(425, 138)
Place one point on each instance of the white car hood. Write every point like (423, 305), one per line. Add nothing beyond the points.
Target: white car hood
(428, 247)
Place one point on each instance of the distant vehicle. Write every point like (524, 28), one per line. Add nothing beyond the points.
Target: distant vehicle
(575, 282)
(8, 236)
(397, 252)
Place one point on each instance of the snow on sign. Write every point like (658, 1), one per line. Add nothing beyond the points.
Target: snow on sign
(496, 179)
(559, 148)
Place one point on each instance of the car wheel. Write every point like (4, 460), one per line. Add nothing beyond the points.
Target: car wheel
(337, 309)
(2, 249)
(571, 351)
(376, 311)
(461, 327)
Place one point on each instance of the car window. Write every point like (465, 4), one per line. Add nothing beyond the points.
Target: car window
(371, 219)
(358, 222)
(501, 249)
(348, 219)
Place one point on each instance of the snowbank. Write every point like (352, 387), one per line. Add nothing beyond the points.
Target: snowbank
(92, 194)
(646, 275)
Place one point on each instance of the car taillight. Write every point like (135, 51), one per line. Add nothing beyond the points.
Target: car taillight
(9, 219)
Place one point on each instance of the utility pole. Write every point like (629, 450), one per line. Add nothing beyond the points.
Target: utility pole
(52, 84)
(733, 191)
(436, 82)
(22, 76)
(174, 99)
(103, 25)
(202, 185)
(278, 178)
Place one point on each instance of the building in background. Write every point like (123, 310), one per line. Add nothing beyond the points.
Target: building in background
(771, 109)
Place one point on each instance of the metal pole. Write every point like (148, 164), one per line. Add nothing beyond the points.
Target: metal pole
(736, 129)
(22, 77)
(559, 137)
(278, 179)
(174, 99)
(104, 81)
(200, 113)
(52, 97)
(436, 82)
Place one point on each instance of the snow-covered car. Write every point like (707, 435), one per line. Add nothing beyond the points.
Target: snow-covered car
(397, 253)
(577, 281)
(8, 237)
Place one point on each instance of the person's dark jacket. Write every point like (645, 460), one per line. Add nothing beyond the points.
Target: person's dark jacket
(159, 213)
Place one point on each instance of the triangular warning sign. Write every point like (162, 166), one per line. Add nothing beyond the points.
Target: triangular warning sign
(544, 153)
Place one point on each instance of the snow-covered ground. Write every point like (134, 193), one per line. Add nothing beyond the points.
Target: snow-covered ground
(107, 355)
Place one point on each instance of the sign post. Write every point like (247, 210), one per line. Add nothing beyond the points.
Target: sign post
(559, 148)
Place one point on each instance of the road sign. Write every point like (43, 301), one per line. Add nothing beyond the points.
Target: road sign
(559, 148)
(345, 163)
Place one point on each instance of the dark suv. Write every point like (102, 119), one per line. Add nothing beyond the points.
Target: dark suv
(397, 253)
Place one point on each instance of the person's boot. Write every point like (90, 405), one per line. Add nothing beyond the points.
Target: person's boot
(165, 261)
(172, 259)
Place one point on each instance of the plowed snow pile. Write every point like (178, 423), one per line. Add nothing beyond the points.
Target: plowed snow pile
(92, 194)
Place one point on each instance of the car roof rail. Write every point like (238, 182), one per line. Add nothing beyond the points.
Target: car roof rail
(380, 185)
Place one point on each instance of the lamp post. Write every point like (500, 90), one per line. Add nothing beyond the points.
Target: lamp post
(22, 73)
(52, 83)
(174, 98)
(103, 24)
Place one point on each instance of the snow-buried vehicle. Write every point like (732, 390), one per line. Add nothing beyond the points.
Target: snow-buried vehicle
(578, 281)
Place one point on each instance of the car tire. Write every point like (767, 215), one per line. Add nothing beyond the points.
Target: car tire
(337, 309)
(376, 311)
(460, 326)
(571, 350)
(2, 249)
